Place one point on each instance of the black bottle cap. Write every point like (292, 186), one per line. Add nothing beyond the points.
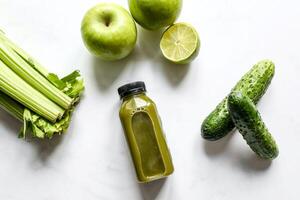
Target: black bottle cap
(131, 88)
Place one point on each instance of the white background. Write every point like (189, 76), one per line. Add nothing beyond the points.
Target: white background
(92, 161)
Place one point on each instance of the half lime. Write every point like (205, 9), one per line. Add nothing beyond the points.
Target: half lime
(180, 43)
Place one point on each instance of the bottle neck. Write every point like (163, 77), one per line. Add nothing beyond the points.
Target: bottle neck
(137, 94)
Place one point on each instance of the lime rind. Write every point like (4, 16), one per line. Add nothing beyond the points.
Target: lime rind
(180, 43)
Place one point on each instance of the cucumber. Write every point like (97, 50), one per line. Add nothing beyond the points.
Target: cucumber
(248, 121)
(254, 84)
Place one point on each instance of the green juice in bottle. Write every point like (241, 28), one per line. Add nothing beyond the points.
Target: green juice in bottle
(144, 134)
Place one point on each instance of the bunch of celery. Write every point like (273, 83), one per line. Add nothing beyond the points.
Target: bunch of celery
(42, 101)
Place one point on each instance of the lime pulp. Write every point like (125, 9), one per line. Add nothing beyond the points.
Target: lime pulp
(180, 43)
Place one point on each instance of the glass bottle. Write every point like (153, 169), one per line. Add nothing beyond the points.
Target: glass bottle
(144, 134)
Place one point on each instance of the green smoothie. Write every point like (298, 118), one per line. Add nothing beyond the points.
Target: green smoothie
(144, 134)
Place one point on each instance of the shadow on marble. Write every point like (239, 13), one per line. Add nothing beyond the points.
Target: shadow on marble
(214, 148)
(149, 44)
(46, 147)
(253, 163)
(9, 122)
(107, 72)
(248, 161)
(175, 73)
(151, 190)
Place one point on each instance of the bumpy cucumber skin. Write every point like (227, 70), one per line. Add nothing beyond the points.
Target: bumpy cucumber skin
(248, 121)
(253, 84)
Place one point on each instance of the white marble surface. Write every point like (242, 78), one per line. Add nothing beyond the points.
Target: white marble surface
(92, 160)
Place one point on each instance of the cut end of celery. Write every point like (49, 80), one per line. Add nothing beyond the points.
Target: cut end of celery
(41, 128)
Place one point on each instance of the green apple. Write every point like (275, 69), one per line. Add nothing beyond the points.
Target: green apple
(155, 14)
(108, 31)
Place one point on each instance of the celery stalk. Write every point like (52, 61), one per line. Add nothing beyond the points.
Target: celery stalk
(42, 101)
(12, 107)
(14, 86)
(32, 72)
(25, 56)
(37, 125)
